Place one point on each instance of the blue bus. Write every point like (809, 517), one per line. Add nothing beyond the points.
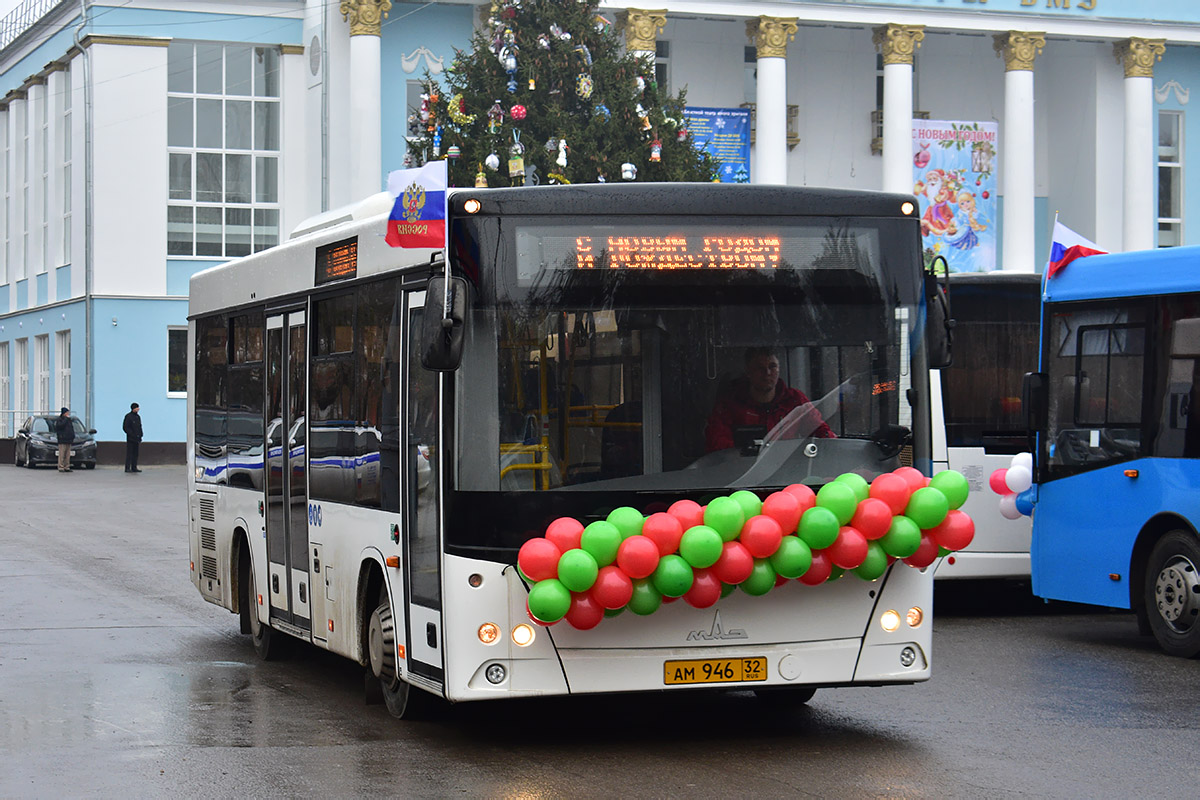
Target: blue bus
(1117, 466)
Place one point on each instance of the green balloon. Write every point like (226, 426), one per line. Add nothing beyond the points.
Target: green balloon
(943, 552)
(612, 612)
(761, 580)
(902, 538)
(549, 600)
(751, 505)
(725, 516)
(793, 558)
(673, 576)
(524, 577)
(874, 565)
(601, 539)
(727, 589)
(952, 484)
(862, 489)
(646, 598)
(701, 546)
(626, 520)
(927, 507)
(839, 498)
(834, 574)
(818, 527)
(577, 570)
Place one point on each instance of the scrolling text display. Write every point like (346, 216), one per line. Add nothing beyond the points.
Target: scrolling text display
(678, 252)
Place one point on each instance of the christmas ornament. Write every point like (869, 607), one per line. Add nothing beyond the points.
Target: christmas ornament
(584, 53)
(600, 176)
(480, 179)
(453, 152)
(492, 162)
(517, 112)
(644, 115)
(495, 117)
(562, 153)
(551, 145)
(641, 83)
(532, 84)
(431, 118)
(457, 109)
(602, 25)
(559, 33)
(602, 111)
(437, 141)
(628, 172)
(681, 135)
(584, 86)
(656, 150)
(543, 41)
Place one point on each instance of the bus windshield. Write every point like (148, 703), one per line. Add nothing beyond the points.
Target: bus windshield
(605, 357)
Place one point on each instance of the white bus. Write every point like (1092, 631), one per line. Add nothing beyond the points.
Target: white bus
(996, 319)
(343, 494)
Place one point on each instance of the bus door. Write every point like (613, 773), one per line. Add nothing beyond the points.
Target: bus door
(286, 485)
(422, 506)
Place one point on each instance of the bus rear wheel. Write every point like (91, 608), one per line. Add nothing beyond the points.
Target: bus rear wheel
(403, 701)
(1172, 593)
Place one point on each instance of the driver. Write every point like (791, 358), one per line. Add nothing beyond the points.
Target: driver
(760, 398)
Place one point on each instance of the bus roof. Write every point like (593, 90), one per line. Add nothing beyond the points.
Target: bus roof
(1170, 270)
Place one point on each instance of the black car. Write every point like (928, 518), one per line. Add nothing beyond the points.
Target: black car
(37, 443)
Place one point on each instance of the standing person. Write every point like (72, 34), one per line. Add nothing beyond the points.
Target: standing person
(133, 437)
(64, 427)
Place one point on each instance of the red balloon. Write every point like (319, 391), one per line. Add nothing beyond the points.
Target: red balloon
(585, 613)
(893, 490)
(780, 581)
(665, 530)
(537, 621)
(849, 549)
(688, 512)
(761, 535)
(538, 559)
(564, 532)
(735, 563)
(637, 556)
(820, 570)
(669, 599)
(612, 588)
(873, 517)
(706, 589)
(806, 496)
(926, 553)
(913, 477)
(784, 508)
(996, 481)
(955, 532)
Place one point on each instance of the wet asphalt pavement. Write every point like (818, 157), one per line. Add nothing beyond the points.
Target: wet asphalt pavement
(118, 680)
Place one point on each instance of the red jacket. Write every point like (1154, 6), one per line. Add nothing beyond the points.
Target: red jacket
(737, 410)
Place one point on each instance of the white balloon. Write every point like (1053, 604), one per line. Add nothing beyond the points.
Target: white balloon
(1008, 507)
(1018, 479)
(1023, 460)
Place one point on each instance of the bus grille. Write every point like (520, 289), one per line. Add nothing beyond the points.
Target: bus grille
(208, 539)
(208, 510)
(906, 456)
(208, 567)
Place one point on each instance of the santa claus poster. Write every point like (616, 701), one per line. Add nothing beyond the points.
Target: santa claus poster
(954, 180)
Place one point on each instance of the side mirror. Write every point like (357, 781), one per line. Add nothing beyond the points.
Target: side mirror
(442, 333)
(1036, 400)
(938, 324)
(92, 431)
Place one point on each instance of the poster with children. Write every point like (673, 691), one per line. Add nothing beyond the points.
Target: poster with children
(954, 180)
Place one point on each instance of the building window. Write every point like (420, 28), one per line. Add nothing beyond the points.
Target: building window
(43, 161)
(6, 426)
(26, 169)
(877, 114)
(177, 362)
(1170, 178)
(662, 65)
(41, 353)
(66, 168)
(62, 363)
(7, 186)
(750, 74)
(21, 401)
(223, 129)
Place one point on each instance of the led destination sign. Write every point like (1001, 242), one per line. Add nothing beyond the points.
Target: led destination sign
(677, 252)
(337, 261)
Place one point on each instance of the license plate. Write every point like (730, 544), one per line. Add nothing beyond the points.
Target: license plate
(715, 670)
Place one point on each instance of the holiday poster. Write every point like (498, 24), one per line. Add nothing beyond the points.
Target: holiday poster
(724, 133)
(954, 179)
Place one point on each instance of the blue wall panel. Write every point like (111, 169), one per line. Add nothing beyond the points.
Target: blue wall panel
(62, 282)
(22, 294)
(48, 322)
(43, 288)
(5, 298)
(179, 272)
(1174, 80)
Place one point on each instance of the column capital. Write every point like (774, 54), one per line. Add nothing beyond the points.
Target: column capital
(1019, 48)
(898, 43)
(771, 35)
(365, 16)
(642, 27)
(1138, 55)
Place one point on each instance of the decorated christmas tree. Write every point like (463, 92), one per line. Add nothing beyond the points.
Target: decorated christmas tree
(547, 94)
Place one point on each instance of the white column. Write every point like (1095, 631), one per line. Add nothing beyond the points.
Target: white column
(1018, 50)
(366, 109)
(897, 43)
(771, 36)
(1140, 206)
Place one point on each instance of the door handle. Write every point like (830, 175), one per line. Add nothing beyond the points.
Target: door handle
(431, 635)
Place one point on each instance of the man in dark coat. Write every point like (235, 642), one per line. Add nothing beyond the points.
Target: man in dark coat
(133, 437)
(64, 427)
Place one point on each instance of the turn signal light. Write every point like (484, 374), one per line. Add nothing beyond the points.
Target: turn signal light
(392, 561)
(489, 632)
(1131, 473)
(914, 617)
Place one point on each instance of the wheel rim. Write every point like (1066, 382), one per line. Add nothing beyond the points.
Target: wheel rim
(1177, 593)
(381, 645)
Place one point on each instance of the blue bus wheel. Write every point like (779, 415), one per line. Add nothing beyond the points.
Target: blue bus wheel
(1172, 593)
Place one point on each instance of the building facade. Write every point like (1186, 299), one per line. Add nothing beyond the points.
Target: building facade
(141, 142)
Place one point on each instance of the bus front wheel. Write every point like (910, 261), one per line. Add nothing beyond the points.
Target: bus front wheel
(268, 644)
(1172, 593)
(403, 701)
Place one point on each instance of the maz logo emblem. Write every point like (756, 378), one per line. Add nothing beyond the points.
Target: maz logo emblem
(716, 632)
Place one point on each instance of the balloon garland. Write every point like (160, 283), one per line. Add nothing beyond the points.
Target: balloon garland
(1015, 487)
(701, 553)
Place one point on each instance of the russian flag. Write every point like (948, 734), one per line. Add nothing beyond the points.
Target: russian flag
(418, 217)
(1068, 246)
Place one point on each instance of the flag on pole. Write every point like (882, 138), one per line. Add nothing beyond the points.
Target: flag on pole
(418, 217)
(1068, 246)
